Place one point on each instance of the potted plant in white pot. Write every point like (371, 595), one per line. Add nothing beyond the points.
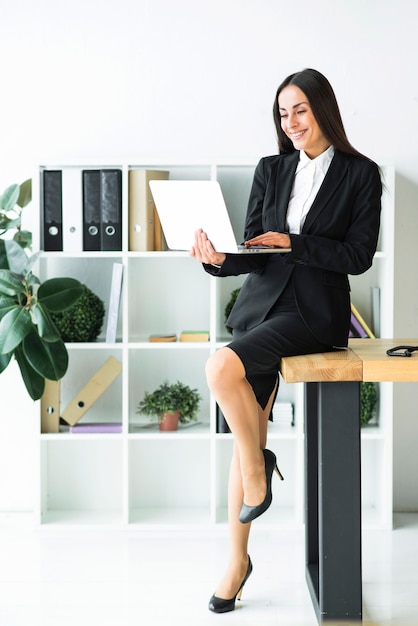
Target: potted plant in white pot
(171, 404)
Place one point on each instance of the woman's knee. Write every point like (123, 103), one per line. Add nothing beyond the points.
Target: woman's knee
(224, 367)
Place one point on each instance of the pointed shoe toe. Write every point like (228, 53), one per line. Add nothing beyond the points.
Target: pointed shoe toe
(249, 513)
(220, 605)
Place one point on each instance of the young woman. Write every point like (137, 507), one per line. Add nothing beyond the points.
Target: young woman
(322, 199)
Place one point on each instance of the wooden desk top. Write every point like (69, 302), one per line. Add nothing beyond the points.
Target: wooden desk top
(363, 360)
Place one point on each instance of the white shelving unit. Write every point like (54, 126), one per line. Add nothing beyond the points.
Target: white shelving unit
(141, 477)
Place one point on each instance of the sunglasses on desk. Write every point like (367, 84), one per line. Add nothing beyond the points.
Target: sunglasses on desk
(401, 350)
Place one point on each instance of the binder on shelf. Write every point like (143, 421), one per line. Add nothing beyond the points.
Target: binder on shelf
(96, 427)
(111, 209)
(72, 210)
(145, 231)
(52, 210)
(114, 303)
(92, 391)
(358, 327)
(50, 407)
(91, 210)
(160, 242)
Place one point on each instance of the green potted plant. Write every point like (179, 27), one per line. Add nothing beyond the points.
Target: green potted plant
(27, 331)
(168, 399)
(368, 401)
(83, 321)
(230, 304)
(12, 202)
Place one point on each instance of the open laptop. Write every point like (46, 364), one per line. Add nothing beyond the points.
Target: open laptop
(184, 206)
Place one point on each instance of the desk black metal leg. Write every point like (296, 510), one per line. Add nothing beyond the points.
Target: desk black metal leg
(333, 500)
(311, 489)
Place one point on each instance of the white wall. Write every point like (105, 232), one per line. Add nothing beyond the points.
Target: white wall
(191, 80)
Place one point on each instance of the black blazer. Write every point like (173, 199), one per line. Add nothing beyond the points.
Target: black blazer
(339, 237)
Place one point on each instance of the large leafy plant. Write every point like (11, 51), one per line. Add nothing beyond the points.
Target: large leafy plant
(27, 331)
(12, 202)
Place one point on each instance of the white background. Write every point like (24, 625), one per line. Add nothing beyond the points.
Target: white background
(191, 81)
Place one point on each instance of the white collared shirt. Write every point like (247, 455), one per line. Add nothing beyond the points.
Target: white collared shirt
(309, 176)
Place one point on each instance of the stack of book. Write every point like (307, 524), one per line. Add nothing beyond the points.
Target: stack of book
(283, 413)
(185, 335)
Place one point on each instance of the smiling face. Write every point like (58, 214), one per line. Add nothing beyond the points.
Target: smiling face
(299, 123)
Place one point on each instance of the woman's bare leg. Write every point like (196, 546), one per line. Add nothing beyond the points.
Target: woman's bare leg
(239, 533)
(227, 381)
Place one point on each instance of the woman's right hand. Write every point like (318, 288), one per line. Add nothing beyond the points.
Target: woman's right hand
(204, 252)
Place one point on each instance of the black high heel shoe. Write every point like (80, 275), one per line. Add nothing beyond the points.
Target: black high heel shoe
(250, 513)
(219, 605)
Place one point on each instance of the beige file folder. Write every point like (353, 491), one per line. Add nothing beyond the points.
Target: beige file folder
(145, 231)
(92, 391)
(50, 407)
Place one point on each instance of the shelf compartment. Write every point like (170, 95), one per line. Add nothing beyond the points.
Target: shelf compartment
(169, 484)
(166, 296)
(148, 369)
(83, 364)
(87, 271)
(81, 481)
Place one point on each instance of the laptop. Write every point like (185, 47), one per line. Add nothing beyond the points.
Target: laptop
(184, 206)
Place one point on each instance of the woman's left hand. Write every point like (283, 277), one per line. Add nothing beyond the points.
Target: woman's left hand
(271, 238)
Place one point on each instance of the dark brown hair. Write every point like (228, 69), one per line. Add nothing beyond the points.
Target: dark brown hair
(324, 107)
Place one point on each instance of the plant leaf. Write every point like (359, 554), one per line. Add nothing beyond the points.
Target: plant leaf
(34, 382)
(14, 327)
(50, 360)
(30, 261)
(8, 224)
(9, 197)
(25, 193)
(16, 256)
(23, 238)
(4, 361)
(4, 263)
(6, 304)
(58, 294)
(46, 327)
(10, 285)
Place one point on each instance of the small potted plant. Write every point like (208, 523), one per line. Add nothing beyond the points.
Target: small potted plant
(171, 404)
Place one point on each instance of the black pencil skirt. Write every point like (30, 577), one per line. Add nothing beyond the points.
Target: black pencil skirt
(282, 333)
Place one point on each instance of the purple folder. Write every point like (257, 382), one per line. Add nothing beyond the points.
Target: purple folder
(97, 427)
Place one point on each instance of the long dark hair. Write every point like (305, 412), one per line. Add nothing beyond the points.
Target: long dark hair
(324, 107)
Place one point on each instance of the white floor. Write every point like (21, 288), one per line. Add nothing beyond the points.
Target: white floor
(56, 577)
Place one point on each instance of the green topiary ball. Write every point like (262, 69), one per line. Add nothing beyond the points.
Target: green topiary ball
(83, 321)
(368, 401)
(228, 308)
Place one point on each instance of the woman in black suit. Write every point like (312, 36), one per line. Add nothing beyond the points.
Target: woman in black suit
(322, 199)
